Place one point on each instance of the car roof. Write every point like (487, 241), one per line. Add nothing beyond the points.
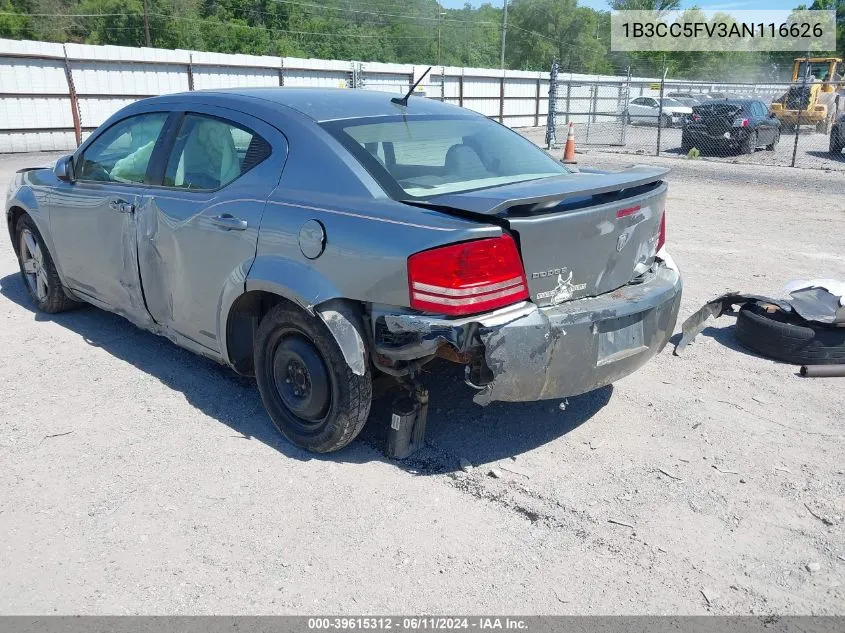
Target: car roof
(729, 101)
(326, 104)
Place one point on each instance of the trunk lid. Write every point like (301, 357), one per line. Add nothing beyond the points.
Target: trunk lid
(716, 118)
(582, 234)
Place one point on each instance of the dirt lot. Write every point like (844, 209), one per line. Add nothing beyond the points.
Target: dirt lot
(138, 478)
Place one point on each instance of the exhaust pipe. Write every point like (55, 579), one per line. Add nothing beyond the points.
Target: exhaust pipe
(823, 371)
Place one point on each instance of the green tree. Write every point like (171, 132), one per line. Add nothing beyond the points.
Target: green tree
(546, 29)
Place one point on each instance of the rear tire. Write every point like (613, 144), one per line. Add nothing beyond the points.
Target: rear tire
(686, 144)
(788, 338)
(749, 145)
(665, 121)
(771, 146)
(309, 391)
(837, 142)
(38, 271)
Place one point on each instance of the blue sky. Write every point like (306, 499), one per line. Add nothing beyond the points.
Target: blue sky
(704, 4)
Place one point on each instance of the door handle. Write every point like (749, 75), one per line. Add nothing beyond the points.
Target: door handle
(121, 206)
(229, 222)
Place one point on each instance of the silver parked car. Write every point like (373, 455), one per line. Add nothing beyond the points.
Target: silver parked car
(318, 238)
(665, 112)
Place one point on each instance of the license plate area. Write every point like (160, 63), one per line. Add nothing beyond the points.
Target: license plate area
(619, 338)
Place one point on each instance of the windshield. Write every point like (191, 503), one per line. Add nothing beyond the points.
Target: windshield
(671, 102)
(431, 155)
(813, 70)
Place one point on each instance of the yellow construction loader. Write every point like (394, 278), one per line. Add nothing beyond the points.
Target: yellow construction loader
(816, 96)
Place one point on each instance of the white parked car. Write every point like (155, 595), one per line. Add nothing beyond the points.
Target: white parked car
(647, 110)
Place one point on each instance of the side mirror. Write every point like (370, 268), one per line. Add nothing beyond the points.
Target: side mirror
(64, 169)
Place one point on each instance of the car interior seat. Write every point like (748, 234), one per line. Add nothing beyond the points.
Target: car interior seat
(463, 161)
(209, 159)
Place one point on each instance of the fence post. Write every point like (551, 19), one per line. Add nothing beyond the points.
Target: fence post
(798, 120)
(626, 99)
(190, 72)
(660, 106)
(537, 105)
(550, 117)
(568, 98)
(502, 99)
(461, 89)
(74, 102)
(281, 71)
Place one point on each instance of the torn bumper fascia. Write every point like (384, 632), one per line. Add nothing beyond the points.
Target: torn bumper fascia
(715, 308)
(560, 351)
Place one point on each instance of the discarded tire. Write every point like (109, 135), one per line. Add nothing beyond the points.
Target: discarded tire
(789, 338)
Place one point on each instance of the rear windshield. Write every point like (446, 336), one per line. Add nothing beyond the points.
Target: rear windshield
(718, 109)
(430, 155)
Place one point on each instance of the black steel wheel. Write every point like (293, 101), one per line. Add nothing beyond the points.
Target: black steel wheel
(301, 379)
(310, 393)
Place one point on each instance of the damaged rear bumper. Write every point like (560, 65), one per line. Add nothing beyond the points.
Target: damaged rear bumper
(565, 350)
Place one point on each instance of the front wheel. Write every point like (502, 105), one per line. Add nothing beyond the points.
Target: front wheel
(38, 270)
(309, 391)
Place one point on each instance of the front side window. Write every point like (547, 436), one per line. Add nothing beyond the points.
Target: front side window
(210, 153)
(122, 153)
(431, 155)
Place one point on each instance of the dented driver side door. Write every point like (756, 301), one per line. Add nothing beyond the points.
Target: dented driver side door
(93, 218)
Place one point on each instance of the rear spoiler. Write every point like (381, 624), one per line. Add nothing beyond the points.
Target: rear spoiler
(557, 189)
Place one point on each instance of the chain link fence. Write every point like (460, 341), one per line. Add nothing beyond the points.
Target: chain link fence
(789, 124)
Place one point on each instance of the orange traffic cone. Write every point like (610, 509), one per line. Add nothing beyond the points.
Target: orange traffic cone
(569, 150)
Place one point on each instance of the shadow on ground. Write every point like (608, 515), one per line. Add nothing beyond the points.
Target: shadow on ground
(835, 158)
(456, 426)
(724, 335)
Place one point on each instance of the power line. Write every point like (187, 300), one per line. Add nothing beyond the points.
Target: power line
(378, 13)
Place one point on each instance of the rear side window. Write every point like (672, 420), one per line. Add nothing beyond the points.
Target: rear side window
(210, 153)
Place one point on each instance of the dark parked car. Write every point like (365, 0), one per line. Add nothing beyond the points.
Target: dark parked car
(317, 238)
(732, 124)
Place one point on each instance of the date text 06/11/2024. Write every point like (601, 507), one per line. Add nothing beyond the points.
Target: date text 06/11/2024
(422, 623)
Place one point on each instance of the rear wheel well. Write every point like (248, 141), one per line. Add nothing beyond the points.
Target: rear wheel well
(15, 214)
(244, 317)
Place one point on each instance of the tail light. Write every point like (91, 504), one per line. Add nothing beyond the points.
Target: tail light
(740, 122)
(661, 233)
(468, 277)
(695, 117)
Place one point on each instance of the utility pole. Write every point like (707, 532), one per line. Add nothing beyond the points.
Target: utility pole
(440, 14)
(147, 26)
(504, 31)
(439, 22)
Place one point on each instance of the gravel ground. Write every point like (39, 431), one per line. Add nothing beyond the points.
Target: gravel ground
(139, 478)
